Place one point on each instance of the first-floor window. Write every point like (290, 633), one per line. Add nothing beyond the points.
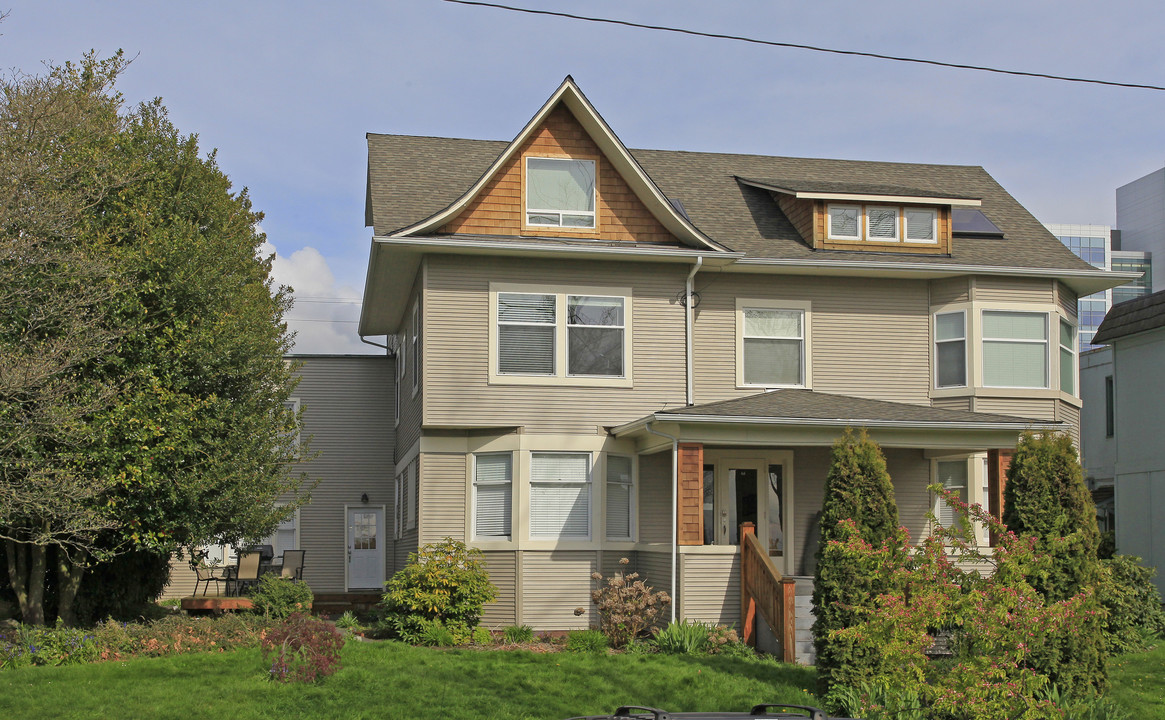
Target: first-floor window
(1015, 349)
(953, 476)
(286, 535)
(774, 346)
(492, 486)
(620, 497)
(560, 496)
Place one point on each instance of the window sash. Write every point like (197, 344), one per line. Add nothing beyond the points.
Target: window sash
(527, 329)
(881, 223)
(954, 476)
(620, 497)
(493, 496)
(950, 346)
(1015, 349)
(921, 225)
(595, 335)
(560, 192)
(773, 343)
(844, 222)
(1067, 357)
(560, 496)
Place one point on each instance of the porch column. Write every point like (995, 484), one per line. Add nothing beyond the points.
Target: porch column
(998, 461)
(690, 494)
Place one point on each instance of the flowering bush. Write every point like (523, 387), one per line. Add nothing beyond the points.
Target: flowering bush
(627, 606)
(998, 623)
(302, 649)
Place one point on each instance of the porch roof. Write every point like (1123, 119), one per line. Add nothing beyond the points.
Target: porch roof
(818, 409)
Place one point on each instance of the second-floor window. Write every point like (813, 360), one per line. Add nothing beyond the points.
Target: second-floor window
(561, 336)
(560, 192)
(772, 345)
(950, 349)
(1015, 349)
(1067, 357)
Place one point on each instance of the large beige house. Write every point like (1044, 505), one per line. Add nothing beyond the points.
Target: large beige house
(605, 353)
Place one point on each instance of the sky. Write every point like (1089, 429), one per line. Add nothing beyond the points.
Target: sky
(286, 90)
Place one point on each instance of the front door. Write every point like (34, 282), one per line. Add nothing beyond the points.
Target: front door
(750, 489)
(365, 548)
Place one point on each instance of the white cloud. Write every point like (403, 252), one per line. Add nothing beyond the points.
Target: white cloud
(325, 311)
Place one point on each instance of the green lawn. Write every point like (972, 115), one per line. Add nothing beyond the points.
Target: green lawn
(1138, 682)
(390, 680)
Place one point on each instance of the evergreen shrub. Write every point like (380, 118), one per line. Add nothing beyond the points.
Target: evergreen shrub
(278, 598)
(445, 582)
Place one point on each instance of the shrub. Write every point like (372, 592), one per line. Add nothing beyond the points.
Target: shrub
(724, 640)
(278, 598)
(302, 649)
(858, 490)
(433, 633)
(627, 606)
(683, 638)
(518, 634)
(1045, 498)
(586, 641)
(444, 581)
(1133, 603)
(482, 636)
(48, 646)
(348, 621)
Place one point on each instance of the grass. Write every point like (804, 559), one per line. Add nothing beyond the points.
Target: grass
(1137, 683)
(392, 680)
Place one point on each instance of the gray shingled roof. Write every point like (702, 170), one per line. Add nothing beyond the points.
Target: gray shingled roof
(813, 405)
(1131, 317)
(412, 178)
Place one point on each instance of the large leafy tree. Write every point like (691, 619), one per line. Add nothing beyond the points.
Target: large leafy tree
(857, 489)
(183, 435)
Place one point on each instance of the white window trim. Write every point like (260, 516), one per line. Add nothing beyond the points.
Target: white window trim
(561, 351)
(416, 334)
(527, 210)
(473, 503)
(898, 219)
(590, 489)
(1047, 343)
(934, 226)
(829, 234)
(632, 499)
(966, 348)
(1074, 351)
(805, 307)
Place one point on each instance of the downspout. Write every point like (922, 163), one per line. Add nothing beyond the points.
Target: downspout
(369, 342)
(675, 490)
(688, 324)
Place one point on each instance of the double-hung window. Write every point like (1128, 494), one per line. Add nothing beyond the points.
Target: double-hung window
(526, 333)
(560, 496)
(772, 345)
(620, 497)
(1067, 357)
(561, 336)
(950, 349)
(493, 493)
(560, 192)
(1015, 349)
(594, 332)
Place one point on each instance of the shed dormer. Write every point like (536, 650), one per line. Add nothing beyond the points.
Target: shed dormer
(866, 217)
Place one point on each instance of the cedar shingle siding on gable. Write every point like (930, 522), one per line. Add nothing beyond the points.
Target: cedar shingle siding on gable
(498, 210)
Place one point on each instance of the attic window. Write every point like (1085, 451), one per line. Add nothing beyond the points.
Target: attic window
(560, 192)
(882, 223)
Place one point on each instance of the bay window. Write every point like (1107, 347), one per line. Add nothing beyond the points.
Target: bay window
(493, 493)
(560, 496)
(1015, 349)
(620, 498)
(950, 349)
(1067, 357)
(953, 476)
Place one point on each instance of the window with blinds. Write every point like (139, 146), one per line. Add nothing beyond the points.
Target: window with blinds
(526, 329)
(1067, 357)
(774, 347)
(1015, 349)
(493, 496)
(560, 496)
(882, 223)
(620, 498)
(953, 476)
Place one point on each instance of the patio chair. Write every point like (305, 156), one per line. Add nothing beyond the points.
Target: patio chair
(246, 573)
(204, 574)
(292, 565)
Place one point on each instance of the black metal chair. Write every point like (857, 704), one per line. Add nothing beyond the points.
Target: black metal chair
(204, 574)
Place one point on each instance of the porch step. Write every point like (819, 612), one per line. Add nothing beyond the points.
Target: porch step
(336, 603)
(803, 625)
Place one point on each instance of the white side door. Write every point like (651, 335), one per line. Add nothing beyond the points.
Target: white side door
(365, 548)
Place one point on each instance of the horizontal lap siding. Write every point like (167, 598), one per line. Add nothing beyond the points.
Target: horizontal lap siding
(868, 338)
(347, 412)
(554, 583)
(182, 580)
(810, 468)
(457, 347)
(655, 571)
(502, 569)
(655, 497)
(1067, 299)
(711, 588)
(953, 403)
(1017, 290)
(442, 497)
(1036, 408)
(951, 290)
(910, 473)
(1070, 414)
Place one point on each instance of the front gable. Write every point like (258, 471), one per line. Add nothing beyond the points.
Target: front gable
(500, 207)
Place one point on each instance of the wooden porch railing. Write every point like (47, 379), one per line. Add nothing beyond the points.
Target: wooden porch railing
(763, 588)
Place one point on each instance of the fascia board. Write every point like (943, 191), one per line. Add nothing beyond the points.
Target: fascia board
(541, 248)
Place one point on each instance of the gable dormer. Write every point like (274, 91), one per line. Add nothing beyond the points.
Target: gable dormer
(559, 183)
(867, 218)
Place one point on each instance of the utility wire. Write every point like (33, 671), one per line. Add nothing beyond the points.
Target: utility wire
(797, 46)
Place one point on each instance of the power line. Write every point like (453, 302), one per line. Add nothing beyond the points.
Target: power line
(346, 322)
(814, 48)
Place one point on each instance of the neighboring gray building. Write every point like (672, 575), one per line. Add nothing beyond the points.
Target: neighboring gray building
(1124, 433)
(1140, 215)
